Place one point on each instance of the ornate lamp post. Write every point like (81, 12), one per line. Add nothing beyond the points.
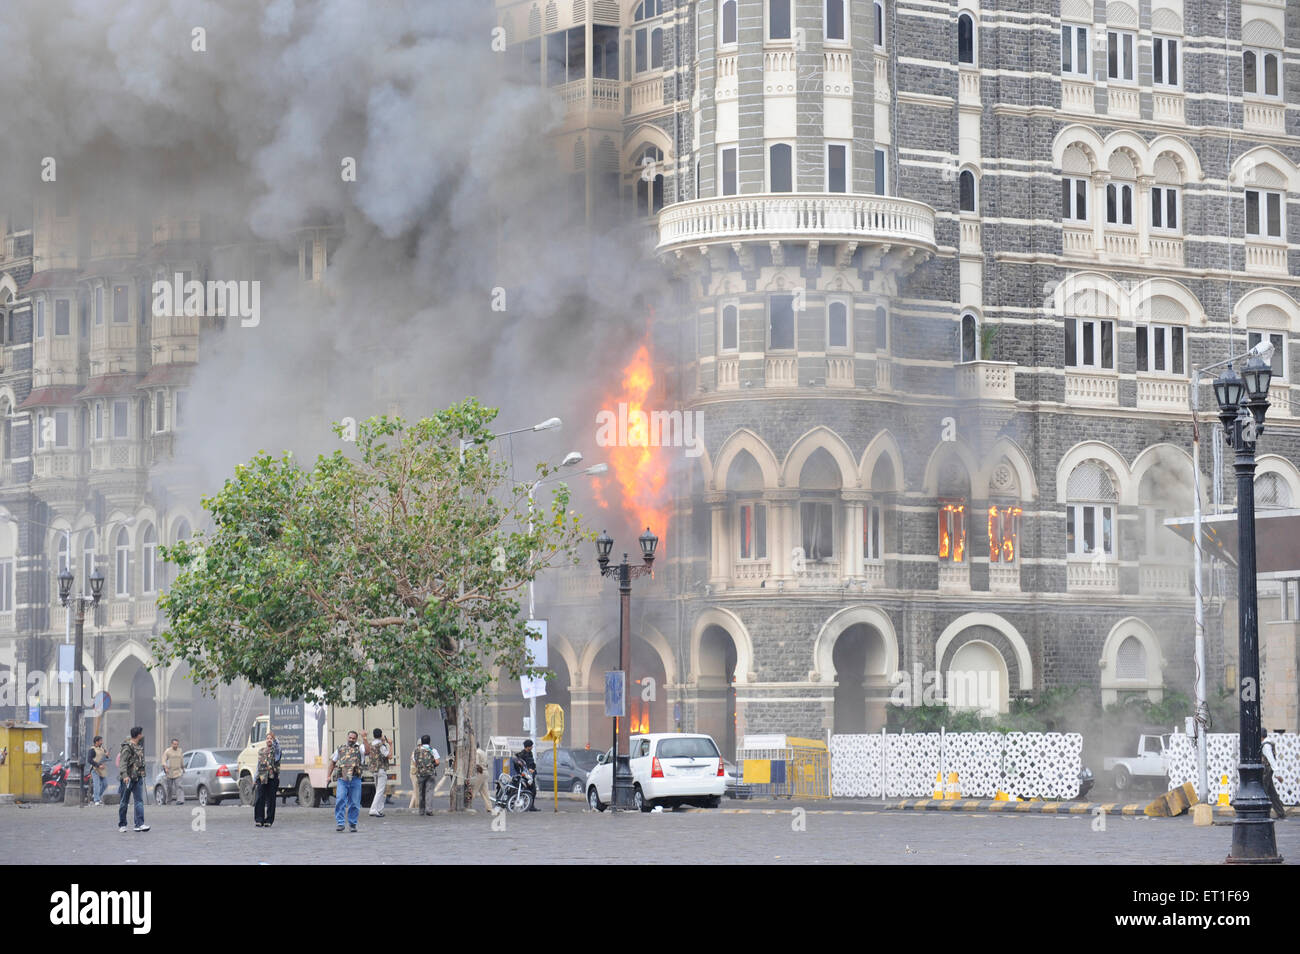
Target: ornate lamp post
(621, 793)
(65, 596)
(1243, 400)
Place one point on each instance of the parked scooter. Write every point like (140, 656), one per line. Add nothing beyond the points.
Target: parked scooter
(54, 781)
(514, 788)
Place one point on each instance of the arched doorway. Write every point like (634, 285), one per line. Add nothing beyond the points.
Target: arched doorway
(512, 707)
(977, 679)
(647, 695)
(859, 660)
(716, 706)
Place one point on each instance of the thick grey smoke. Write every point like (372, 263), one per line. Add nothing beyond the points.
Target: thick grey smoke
(457, 193)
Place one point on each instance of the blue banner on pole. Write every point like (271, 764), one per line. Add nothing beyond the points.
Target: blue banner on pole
(616, 694)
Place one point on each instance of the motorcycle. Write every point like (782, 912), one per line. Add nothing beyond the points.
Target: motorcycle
(54, 782)
(513, 790)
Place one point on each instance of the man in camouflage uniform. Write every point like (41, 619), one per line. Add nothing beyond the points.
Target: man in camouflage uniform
(131, 779)
(345, 769)
(268, 782)
(380, 751)
(424, 760)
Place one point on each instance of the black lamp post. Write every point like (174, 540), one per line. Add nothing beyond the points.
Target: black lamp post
(621, 793)
(65, 595)
(1243, 400)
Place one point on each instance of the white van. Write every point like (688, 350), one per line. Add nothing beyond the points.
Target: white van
(668, 769)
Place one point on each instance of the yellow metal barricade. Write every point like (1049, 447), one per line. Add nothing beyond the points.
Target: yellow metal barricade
(785, 767)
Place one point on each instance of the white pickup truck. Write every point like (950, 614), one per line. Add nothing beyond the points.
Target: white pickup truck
(1149, 764)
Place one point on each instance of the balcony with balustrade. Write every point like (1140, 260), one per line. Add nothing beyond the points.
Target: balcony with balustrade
(987, 381)
(1162, 394)
(1266, 257)
(1091, 388)
(1092, 573)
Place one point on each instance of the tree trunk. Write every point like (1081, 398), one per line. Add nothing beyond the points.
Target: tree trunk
(462, 758)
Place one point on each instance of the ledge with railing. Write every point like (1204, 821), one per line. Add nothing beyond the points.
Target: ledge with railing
(1090, 573)
(1096, 389)
(987, 380)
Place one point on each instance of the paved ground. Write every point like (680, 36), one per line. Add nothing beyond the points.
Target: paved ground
(758, 832)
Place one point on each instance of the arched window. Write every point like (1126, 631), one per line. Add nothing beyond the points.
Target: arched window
(835, 20)
(728, 23)
(730, 329)
(149, 560)
(63, 559)
(1272, 492)
(1131, 659)
(780, 167)
(882, 329)
(649, 181)
(122, 563)
(969, 337)
(778, 19)
(87, 560)
(966, 187)
(965, 38)
(648, 40)
(878, 13)
(1120, 190)
(1090, 514)
(837, 325)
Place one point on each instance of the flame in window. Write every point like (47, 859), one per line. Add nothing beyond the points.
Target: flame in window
(952, 531)
(1004, 533)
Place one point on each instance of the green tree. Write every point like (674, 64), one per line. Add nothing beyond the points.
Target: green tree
(389, 574)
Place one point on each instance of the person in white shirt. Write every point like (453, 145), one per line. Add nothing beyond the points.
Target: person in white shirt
(381, 751)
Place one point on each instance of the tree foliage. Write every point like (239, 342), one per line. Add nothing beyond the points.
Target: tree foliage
(389, 574)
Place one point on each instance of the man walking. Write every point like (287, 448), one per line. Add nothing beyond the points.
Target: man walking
(268, 782)
(478, 784)
(131, 779)
(98, 758)
(345, 768)
(424, 760)
(380, 750)
(174, 765)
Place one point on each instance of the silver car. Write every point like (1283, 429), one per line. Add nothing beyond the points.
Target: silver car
(210, 775)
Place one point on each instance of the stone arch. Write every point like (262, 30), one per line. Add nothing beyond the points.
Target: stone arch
(644, 135)
(1111, 683)
(1085, 139)
(744, 439)
(1182, 154)
(1111, 461)
(645, 632)
(884, 446)
(727, 620)
(966, 686)
(1007, 449)
(1024, 666)
(1261, 32)
(1167, 454)
(1285, 470)
(943, 452)
(1144, 305)
(823, 670)
(1087, 293)
(819, 438)
(1263, 300)
(1253, 168)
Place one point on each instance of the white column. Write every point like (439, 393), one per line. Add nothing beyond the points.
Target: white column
(1099, 181)
(719, 538)
(1143, 199)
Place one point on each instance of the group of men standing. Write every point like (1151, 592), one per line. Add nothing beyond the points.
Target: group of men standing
(377, 755)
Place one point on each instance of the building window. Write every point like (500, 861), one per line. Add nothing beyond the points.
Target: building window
(1278, 341)
(99, 305)
(648, 40)
(40, 318)
(780, 168)
(965, 38)
(969, 337)
(61, 435)
(604, 52)
(882, 329)
(160, 412)
(878, 10)
(178, 410)
(873, 533)
(1164, 208)
(149, 560)
(87, 561)
(729, 23)
(1074, 49)
(121, 421)
(1090, 517)
(1074, 199)
(40, 431)
(1004, 533)
(122, 563)
(778, 19)
(753, 531)
(817, 530)
(837, 325)
(882, 173)
(1161, 348)
(727, 162)
(62, 317)
(121, 304)
(1272, 491)
(1164, 61)
(649, 181)
(1119, 203)
(99, 421)
(966, 191)
(1261, 72)
(1121, 55)
(837, 167)
(62, 555)
(952, 531)
(835, 20)
(730, 327)
(6, 586)
(1090, 343)
(780, 323)
(1263, 213)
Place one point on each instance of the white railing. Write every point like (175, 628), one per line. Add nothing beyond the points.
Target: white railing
(766, 217)
(580, 586)
(7, 621)
(1077, 97)
(782, 372)
(884, 374)
(954, 576)
(1123, 101)
(119, 611)
(751, 571)
(1279, 400)
(1162, 394)
(607, 94)
(778, 61)
(1265, 258)
(1095, 389)
(969, 86)
(837, 61)
(1004, 577)
(1264, 117)
(970, 236)
(1090, 574)
(873, 571)
(725, 83)
(823, 571)
(987, 380)
(1077, 242)
(839, 372)
(146, 609)
(58, 464)
(728, 372)
(647, 94)
(1122, 244)
(1157, 578)
(1167, 107)
(1167, 251)
(573, 94)
(882, 78)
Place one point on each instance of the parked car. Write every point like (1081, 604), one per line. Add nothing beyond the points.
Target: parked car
(210, 776)
(1149, 765)
(573, 775)
(1086, 781)
(669, 769)
(736, 788)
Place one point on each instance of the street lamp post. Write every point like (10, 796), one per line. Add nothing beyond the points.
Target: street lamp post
(65, 596)
(1243, 401)
(621, 792)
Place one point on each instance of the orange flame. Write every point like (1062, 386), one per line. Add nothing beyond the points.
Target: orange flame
(638, 470)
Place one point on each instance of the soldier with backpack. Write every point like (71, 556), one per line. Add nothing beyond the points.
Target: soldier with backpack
(380, 750)
(424, 763)
(345, 769)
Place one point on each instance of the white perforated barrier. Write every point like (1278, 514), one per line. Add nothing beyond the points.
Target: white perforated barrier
(1026, 764)
(1221, 751)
